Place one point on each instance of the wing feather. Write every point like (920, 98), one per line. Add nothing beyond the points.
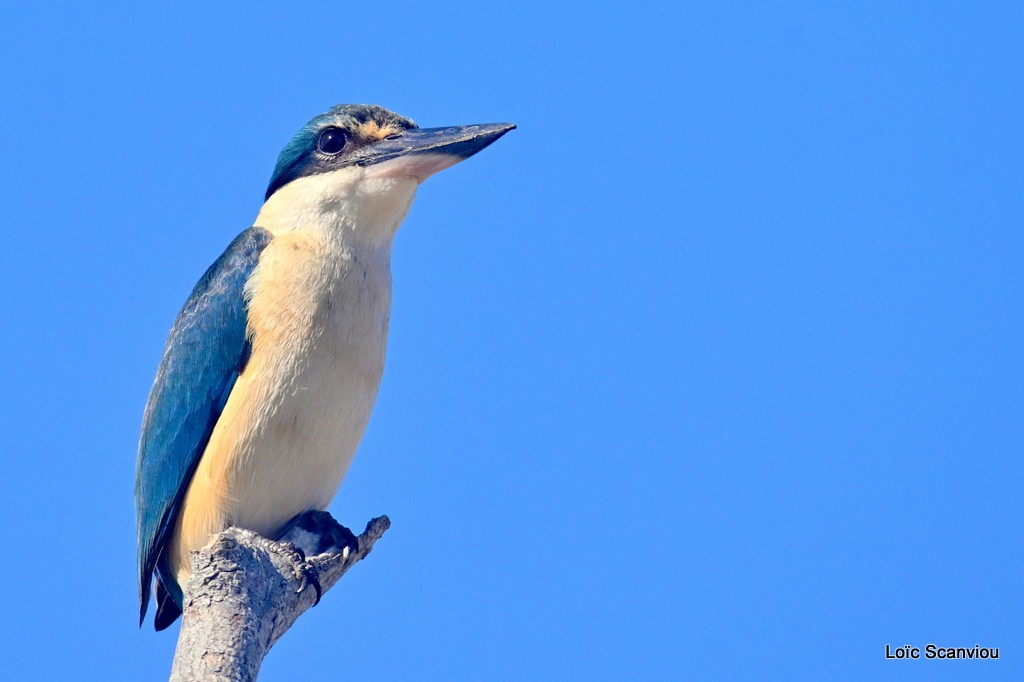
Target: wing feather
(206, 351)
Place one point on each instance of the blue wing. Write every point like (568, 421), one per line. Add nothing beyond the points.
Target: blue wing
(206, 350)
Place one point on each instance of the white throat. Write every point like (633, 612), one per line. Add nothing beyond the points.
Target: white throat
(347, 206)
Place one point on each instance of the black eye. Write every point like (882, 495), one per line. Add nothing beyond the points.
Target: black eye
(332, 141)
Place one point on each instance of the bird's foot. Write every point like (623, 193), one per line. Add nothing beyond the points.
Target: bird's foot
(305, 571)
(310, 534)
(340, 539)
(307, 574)
(317, 532)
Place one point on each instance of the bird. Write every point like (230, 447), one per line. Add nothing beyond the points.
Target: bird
(273, 364)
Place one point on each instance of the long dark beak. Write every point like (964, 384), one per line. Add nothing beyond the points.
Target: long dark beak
(421, 152)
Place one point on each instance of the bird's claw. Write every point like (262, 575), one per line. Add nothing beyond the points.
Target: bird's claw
(307, 574)
(305, 571)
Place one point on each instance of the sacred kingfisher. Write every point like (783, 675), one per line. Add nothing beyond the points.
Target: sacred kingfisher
(272, 366)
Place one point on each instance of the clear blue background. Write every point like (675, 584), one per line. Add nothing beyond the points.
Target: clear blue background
(710, 370)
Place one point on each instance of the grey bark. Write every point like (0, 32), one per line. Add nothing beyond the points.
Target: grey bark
(246, 591)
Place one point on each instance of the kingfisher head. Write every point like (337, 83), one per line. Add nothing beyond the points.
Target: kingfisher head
(362, 164)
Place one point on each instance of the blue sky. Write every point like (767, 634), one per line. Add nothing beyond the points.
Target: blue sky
(710, 370)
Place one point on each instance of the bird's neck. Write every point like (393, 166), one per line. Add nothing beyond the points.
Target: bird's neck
(343, 207)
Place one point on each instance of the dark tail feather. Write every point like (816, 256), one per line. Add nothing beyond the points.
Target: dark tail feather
(167, 611)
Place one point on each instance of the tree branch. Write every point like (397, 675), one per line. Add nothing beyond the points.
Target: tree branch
(246, 591)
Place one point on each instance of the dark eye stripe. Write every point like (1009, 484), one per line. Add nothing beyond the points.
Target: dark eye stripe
(332, 141)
